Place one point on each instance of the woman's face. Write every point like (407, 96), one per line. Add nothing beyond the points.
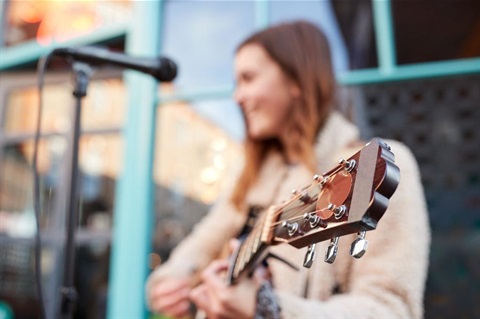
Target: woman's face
(265, 94)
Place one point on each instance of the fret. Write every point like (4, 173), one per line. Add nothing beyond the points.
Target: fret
(249, 244)
(238, 261)
(258, 236)
(256, 240)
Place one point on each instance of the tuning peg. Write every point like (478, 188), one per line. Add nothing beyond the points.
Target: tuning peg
(292, 228)
(320, 180)
(305, 198)
(338, 211)
(312, 219)
(324, 181)
(332, 250)
(347, 165)
(309, 256)
(359, 246)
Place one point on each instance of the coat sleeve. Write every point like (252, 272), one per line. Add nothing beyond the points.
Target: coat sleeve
(203, 244)
(389, 281)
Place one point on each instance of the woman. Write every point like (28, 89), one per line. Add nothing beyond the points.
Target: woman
(285, 88)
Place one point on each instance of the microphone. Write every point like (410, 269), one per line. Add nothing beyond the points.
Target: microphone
(163, 69)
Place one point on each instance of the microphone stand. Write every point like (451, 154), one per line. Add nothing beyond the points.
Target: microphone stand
(69, 295)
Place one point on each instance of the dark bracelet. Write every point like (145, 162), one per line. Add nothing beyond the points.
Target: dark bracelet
(267, 303)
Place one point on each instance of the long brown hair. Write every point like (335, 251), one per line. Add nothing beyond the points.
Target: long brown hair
(302, 52)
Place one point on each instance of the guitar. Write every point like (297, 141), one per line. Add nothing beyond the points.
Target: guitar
(350, 198)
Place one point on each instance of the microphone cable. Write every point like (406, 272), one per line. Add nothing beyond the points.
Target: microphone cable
(41, 68)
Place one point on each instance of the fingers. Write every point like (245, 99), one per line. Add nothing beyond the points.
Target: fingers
(199, 296)
(208, 296)
(165, 301)
(170, 296)
(219, 300)
(212, 275)
(178, 310)
(169, 286)
(234, 244)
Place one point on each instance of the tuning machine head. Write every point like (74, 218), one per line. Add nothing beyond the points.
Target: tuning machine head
(313, 220)
(309, 256)
(292, 228)
(347, 165)
(359, 246)
(339, 211)
(321, 180)
(332, 251)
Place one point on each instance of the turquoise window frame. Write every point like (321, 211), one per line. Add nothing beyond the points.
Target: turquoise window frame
(134, 213)
(388, 70)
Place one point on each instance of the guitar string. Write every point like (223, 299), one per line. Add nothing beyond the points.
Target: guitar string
(279, 211)
(250, 245)
(246, 247)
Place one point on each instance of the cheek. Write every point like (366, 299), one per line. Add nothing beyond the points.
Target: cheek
(273, 98)
(273, 105)
(271, 119)
(280, 107)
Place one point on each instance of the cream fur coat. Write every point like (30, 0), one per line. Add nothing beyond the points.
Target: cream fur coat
(387, 282)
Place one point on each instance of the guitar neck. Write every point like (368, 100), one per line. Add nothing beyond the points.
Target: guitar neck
(252, 248)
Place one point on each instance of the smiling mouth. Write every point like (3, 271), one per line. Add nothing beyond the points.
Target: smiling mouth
(250, 110)
(250, 116)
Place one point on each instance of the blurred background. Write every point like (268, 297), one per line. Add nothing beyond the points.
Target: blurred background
(153, 158)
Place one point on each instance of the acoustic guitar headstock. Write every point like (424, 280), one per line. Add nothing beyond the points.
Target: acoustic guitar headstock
(350, 198)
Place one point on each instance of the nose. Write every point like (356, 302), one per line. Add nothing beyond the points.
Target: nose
(238, 95)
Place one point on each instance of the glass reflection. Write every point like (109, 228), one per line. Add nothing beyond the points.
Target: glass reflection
(104, 106)
(47, 22)
(202, 36)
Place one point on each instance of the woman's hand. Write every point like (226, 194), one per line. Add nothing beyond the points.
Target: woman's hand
(219, 300)
(170, 297)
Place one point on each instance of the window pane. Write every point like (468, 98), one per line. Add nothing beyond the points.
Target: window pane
(100, 162)
(355, 19)
(17, 228)
(104, 106)
(195, 161)
(195, 157)
(201, 36)
(432, 30)
(15, 182)
(225, 114)
(21, 107)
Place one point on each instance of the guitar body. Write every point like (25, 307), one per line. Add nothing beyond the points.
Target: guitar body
(350, 198)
